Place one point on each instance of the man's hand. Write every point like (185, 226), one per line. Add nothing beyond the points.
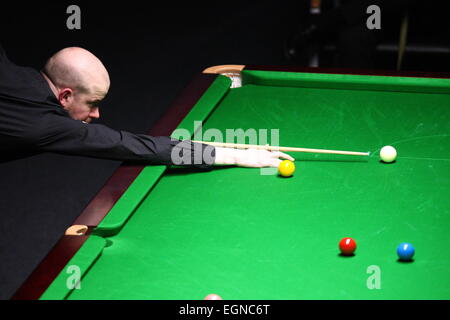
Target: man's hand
(251, 158)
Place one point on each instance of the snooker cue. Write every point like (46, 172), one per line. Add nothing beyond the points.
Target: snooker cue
(285, 149)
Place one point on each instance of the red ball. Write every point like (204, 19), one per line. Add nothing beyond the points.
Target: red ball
(347, 246)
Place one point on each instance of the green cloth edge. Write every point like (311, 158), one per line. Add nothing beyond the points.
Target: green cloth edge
(346, 81)
(83, 259)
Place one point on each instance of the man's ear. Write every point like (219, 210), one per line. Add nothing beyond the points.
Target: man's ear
(65, 96)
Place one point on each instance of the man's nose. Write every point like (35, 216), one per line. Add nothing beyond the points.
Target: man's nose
(95, 113)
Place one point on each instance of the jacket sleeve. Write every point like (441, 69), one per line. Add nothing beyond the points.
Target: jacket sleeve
(68, 136)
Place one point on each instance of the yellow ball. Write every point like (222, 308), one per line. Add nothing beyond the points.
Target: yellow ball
(286, 168)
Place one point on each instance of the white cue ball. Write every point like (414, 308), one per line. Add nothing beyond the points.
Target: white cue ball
(388, 153)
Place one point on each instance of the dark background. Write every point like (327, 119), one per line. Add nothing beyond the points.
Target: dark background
(152, 50)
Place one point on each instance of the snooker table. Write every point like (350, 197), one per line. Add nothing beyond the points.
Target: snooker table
(160, 232)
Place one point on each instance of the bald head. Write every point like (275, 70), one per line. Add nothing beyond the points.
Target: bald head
(78, 69)
(79, 81)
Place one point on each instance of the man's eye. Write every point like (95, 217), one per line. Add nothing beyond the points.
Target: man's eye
(94, 104)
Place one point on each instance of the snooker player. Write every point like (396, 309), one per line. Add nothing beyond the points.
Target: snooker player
(51, 111)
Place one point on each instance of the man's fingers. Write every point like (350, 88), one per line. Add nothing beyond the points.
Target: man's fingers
(286, 156)
(279, 154)
(256, 158)
(274, 162)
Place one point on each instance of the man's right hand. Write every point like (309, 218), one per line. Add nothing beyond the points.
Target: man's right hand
(250, 158)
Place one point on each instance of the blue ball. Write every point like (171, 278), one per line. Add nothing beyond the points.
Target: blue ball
(405, 251)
